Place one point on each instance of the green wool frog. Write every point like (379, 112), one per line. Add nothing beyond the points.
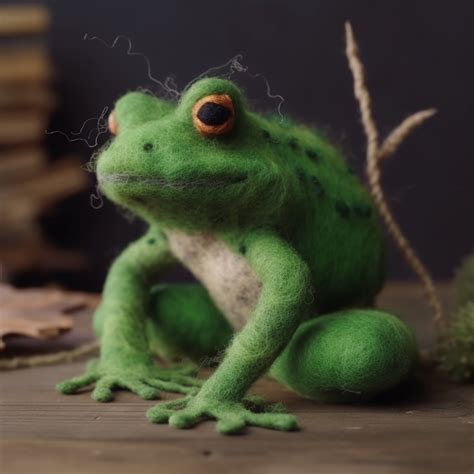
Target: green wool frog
(286, 249)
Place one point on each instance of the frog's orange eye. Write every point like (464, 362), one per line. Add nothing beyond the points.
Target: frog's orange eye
(213, 115)
(112, 124)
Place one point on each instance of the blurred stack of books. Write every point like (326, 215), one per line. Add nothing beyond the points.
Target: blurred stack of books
(29, 182)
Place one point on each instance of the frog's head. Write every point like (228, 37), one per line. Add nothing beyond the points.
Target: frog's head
(201, 162)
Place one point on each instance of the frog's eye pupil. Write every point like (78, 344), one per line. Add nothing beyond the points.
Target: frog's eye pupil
(148, 146)
(213, 114)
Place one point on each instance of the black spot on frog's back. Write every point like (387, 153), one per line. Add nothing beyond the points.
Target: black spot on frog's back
(359, 210)
(317, 186)
(343, 209)
(293, 144)
(312, 181)
(362, 210)
(313, 155)
(268, 136)
(302, 176)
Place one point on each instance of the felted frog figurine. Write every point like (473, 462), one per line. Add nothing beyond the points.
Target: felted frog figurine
(286, 248)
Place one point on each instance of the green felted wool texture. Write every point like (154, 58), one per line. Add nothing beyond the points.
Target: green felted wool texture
(455, 350)
(281, 198)
(347, 356)
(264, 174)
(282, 305)
(185, 323)
(465, 282)
(125, 361)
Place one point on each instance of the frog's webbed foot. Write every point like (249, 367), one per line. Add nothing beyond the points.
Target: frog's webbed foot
(232, 417)
(146, 381)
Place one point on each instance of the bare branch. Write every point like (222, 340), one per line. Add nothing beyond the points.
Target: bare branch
(398, 135)
(374, 158)
(361, 92)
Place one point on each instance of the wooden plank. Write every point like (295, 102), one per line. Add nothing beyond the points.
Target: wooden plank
(55, 181)
(23, 19)
(52, 433)
(23, 200)
(425, 427)
(21, 162)
(21, 255)
(26, 96)
(373, 448)
(22, 127)
(24, 64)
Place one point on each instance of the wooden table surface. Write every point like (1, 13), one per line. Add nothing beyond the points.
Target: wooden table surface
(428, 426)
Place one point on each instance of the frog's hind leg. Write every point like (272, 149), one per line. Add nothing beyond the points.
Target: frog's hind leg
(347, 356)
(185, 323)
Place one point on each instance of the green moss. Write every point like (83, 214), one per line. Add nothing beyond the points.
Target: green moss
(456, 347)
(465, 282)
(455, 350)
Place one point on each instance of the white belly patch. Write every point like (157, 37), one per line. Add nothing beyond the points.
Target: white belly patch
(231, 283)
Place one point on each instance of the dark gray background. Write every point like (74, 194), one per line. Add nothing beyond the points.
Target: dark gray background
(418, 53)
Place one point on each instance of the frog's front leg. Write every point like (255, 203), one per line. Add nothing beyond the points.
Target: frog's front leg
(283, 303)
(125, 361)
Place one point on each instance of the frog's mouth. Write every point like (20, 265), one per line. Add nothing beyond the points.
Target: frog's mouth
(211, 181)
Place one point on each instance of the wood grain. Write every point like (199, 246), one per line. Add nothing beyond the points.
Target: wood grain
(25, 65)
(23, 19)
(427, 426)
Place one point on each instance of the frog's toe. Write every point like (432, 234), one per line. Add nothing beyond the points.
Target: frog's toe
(162, 412)
(141, 388)
(75, 384)
(103, 391)
(232, 417)
(104, 388)
(230, 423)
(185, 419)
(159, 414)
(273, 421)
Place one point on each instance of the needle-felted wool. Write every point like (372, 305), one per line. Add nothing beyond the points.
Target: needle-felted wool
(347, 356)
(455, 349)
(278, 232)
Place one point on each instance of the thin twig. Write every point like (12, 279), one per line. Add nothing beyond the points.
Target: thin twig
(49, 359)
(374, 157)
(398, 135)
(361, 92)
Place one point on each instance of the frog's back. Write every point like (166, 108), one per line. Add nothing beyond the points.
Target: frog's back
(336, 231)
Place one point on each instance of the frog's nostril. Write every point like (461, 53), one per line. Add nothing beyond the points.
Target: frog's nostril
(148, 146)
(112, 124)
